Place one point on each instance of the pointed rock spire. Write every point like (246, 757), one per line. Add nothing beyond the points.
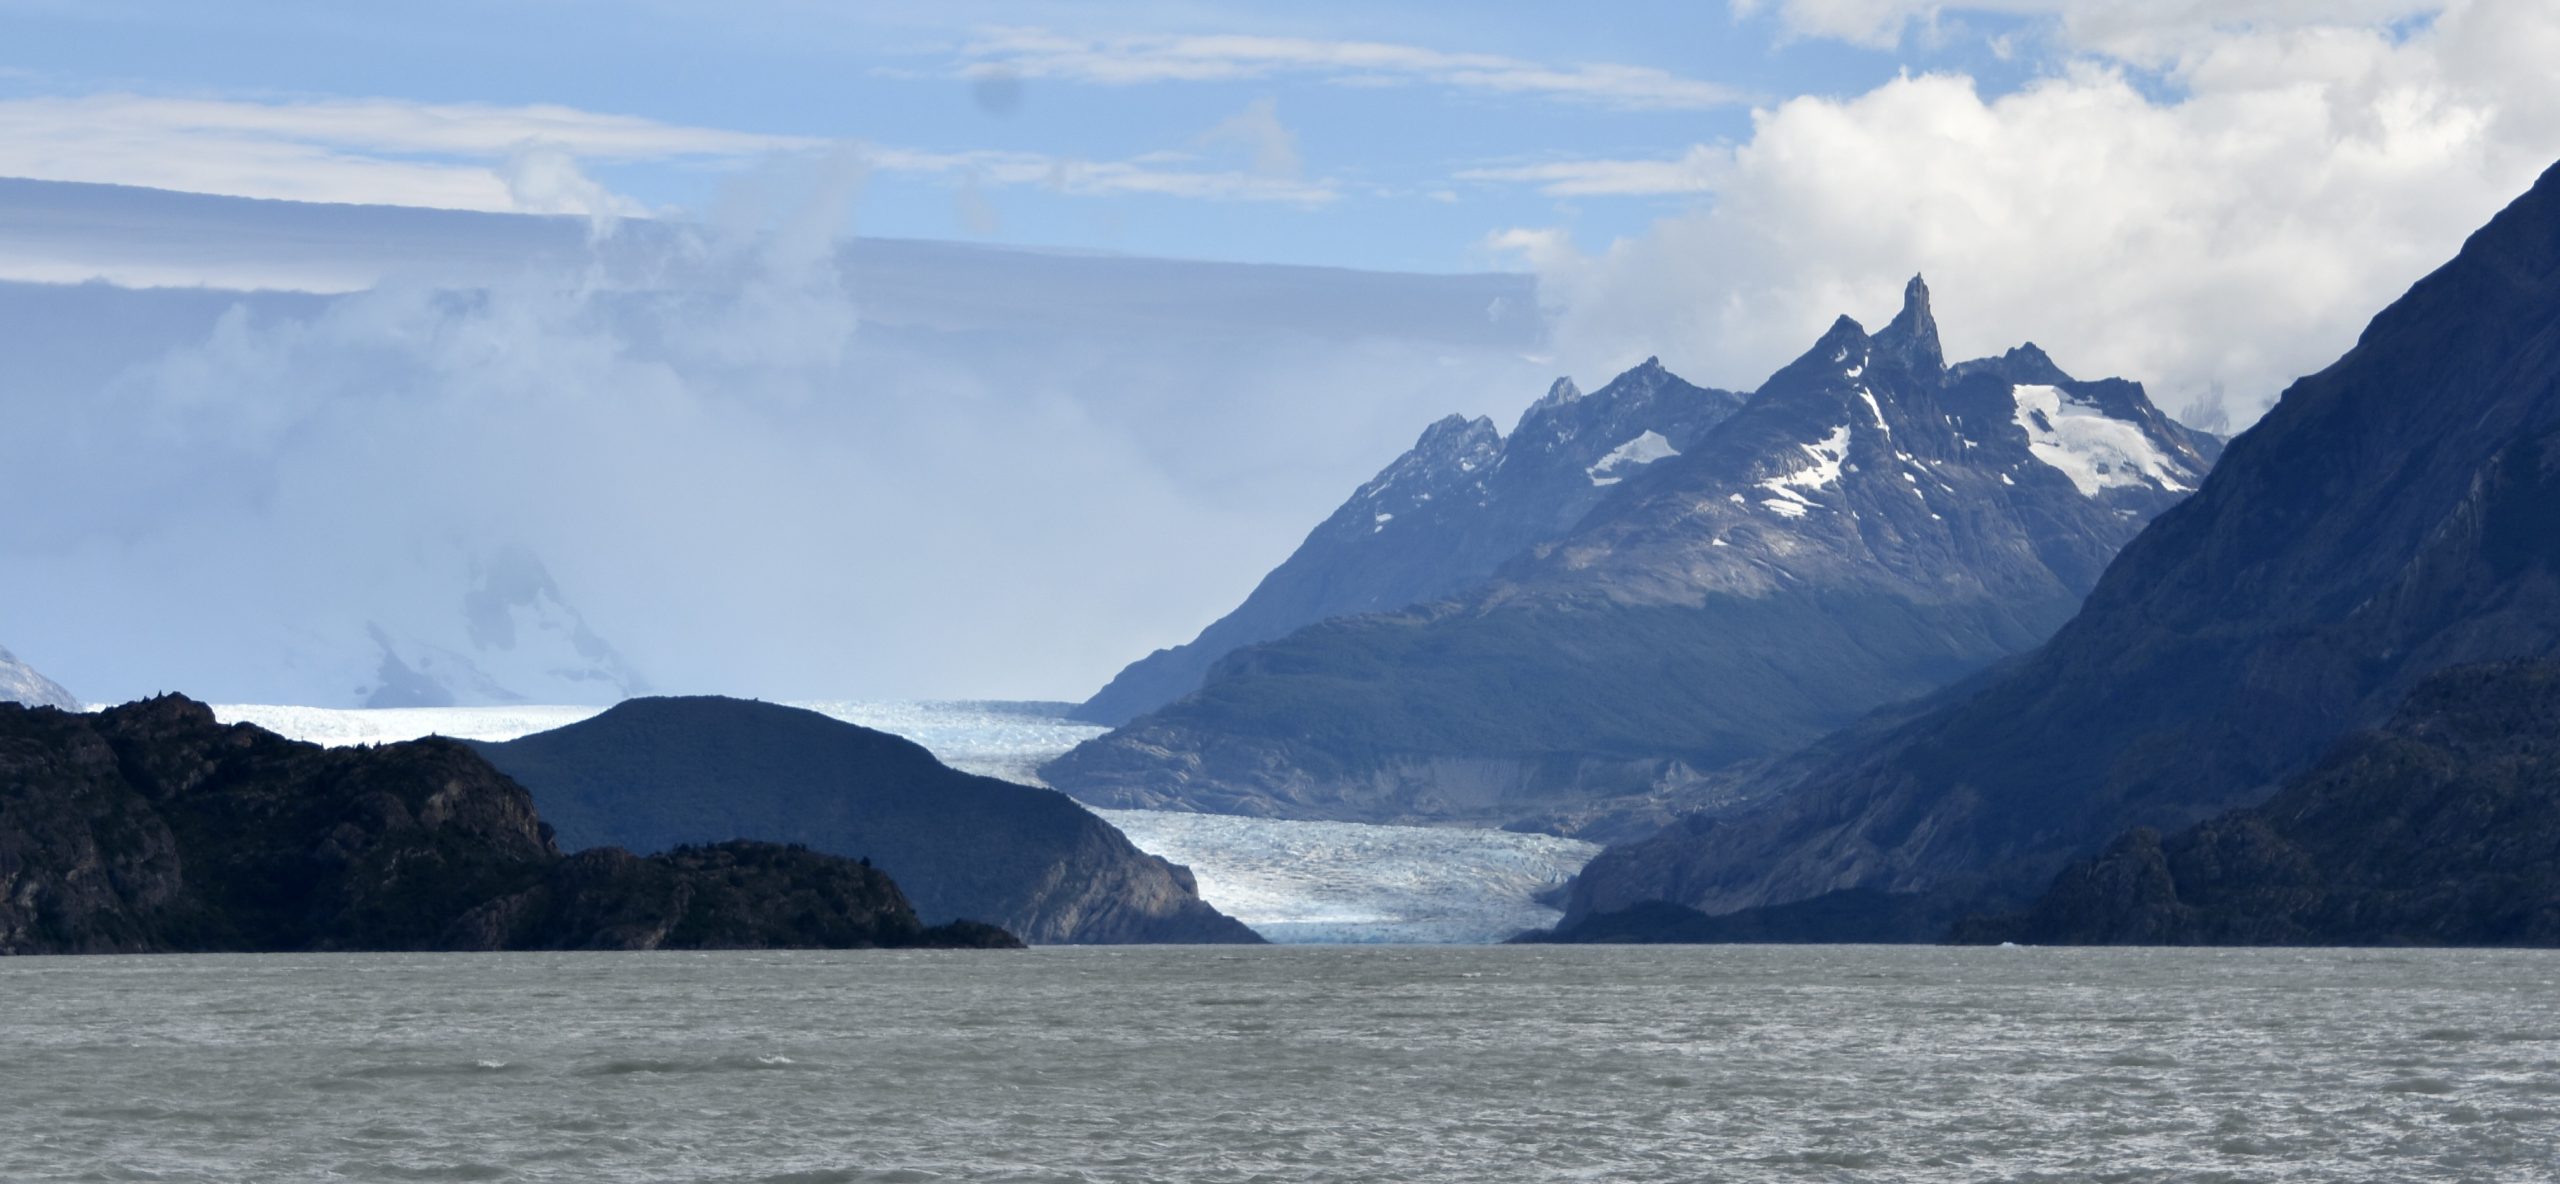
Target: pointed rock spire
(1913, 335)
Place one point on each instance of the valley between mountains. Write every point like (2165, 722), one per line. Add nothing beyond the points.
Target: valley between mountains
(1890, 648)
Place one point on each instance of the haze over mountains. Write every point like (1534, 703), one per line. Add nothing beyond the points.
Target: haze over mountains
(1870, 525)
(709, 437)
(2393, 516)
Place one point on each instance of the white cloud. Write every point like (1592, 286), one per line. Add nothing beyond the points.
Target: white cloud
(2232, 237)
(1126, 60)
(2150, 32)
(385, 151)
(520, 159)
(1144, 175)
(1690, 173)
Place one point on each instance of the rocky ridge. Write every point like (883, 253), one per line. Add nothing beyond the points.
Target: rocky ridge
(1454, 507)
(151, 828)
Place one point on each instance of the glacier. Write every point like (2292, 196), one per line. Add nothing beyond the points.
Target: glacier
(1293, 882)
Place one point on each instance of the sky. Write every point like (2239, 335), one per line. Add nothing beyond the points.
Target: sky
(2209, 198)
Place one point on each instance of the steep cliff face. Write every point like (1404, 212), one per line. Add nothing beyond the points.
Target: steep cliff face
(152, 828)
(1870, 526)
(652, 774)
(19, 683)
(1444, 515)
(2392, 516)
(2441, 828)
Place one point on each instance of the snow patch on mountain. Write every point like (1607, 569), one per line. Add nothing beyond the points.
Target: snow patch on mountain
(1643, 450)
(1826, 455)
(2095, 450)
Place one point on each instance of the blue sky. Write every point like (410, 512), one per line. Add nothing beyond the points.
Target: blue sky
(1295, 156)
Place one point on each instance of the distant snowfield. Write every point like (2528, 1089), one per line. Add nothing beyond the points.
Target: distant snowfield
(1290, 881)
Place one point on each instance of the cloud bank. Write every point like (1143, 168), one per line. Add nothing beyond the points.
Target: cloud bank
(1031, 52)
(711, 448)
(2213, 243)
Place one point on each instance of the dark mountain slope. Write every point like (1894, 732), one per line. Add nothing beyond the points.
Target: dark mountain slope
(1871, 526)
(650, 774)
(2393, 515)
(2442, 828)
(151, 828)
(1442, 516)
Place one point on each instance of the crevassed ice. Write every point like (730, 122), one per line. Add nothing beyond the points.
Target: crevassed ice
(1643, 450)
(2095, 450)
(1353, 882)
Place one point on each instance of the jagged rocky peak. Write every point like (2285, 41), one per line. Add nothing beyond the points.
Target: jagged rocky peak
(1445, 514)
(1456, 436)
(1913, 335)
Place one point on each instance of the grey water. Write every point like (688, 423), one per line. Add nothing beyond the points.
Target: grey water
(1287, 1064)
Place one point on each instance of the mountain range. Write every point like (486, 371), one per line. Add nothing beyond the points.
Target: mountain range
(1690, 587)
(1444, 515)
(2394, 515)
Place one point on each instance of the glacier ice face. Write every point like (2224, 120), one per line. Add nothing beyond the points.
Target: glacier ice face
(1290, 881)
(1355, 882)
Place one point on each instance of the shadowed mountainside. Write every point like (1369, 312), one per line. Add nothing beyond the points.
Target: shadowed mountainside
(2440, 828)
(650, 774)
(2396, 514)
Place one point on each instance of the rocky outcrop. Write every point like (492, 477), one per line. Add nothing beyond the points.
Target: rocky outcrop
(2394, 515)
(2441, 828)
(151, 828)
(1443, 516)
(654, 774)
(1871, 526)
(19, 683)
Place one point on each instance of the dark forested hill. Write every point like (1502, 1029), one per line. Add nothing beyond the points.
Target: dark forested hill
(150, 828)
(652, 774)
